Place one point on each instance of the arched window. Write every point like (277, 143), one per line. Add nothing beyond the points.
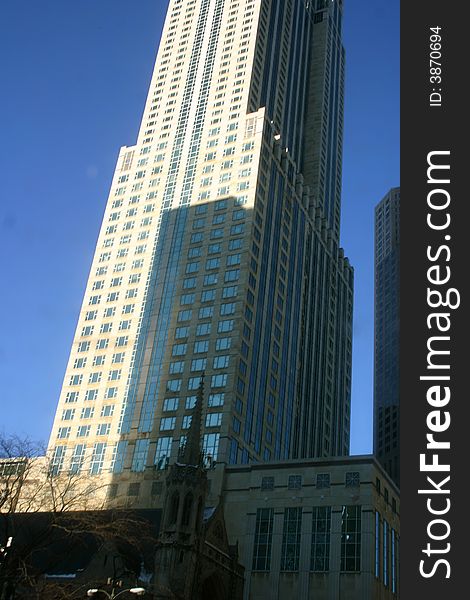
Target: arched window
(188, 503)
(174, 505)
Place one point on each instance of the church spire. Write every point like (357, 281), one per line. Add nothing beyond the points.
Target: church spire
(192, 452)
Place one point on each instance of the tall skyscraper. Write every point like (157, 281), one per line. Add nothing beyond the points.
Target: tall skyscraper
(387, 330)
(218, 256)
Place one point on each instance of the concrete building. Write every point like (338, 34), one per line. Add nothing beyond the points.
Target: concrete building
(326, 529)
(387, 334)
(218, 253)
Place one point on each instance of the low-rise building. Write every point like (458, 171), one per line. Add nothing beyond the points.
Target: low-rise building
(324, 529)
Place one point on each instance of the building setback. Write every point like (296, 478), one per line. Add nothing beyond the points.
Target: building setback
(387, 330)
(218, 253)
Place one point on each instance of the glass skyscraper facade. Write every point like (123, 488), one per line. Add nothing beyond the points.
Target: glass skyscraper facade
(387, 330)
(218, 257)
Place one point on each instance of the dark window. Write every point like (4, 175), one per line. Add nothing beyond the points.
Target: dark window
(157, 488)
(323, 480)
(321, 530)
(134, 489)
(351, 538)
(295, 482)
(263, 539)
(267, 483)
(352, 479)
(290, 550)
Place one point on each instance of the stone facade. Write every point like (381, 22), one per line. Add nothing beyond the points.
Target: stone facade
(309, 508)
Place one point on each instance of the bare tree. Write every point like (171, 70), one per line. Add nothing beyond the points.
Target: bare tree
(46, 517)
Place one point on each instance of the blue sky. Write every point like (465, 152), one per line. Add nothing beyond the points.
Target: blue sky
(74, 77)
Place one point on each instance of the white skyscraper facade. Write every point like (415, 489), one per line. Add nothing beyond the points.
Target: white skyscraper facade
(218, 257)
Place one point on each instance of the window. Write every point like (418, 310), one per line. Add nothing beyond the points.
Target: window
(97, 458)
(194, 383)
(189, 283)
(71, 397)
(111, 392)
(235, 244)
(321, 532)
(214, 249)
(192, 267)
(351, 538)
(227, 309)
(210, 447)
(218, 381)
(184, 315)
(263, 539)
(225, 326)
(290, 549)
(201, 346)
(76, 379)
(212, 263)
(173, 385)
(179, 349)
(139, 460)
(218, 219)
(63, 433)
(190, 402)
(120, 451)
(57, 460)
(323, 481)
(176, 367)
(385, 552)
(163, 452)
(102, 344)
(221, 362)
(114, 375)
(232, 275)
(217, 233)
(230, 291)
(233, 259)
(208, 296)
(352, 479)
(186, 422)
(83, 430)
(170, 404)
(199, 364)
(210, 279)
(99, 360)
(187, 299)
(167, 423)
(267, 483)
(68, 414)
(203, 329)
(103, 429)
(157, 488)
(78, 456)
(87, 412)
(181, 333)
(394, 542)
(294, 482)
(122, 340)
(107, 410)
(213, 419)
(215, 400)
(377, 544)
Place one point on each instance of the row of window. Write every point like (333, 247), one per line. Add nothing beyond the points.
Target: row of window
(95, 464)
(320, 540)
(352, 479)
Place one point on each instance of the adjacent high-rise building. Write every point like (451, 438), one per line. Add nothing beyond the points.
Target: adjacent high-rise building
(387, 330)
(218, 257)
